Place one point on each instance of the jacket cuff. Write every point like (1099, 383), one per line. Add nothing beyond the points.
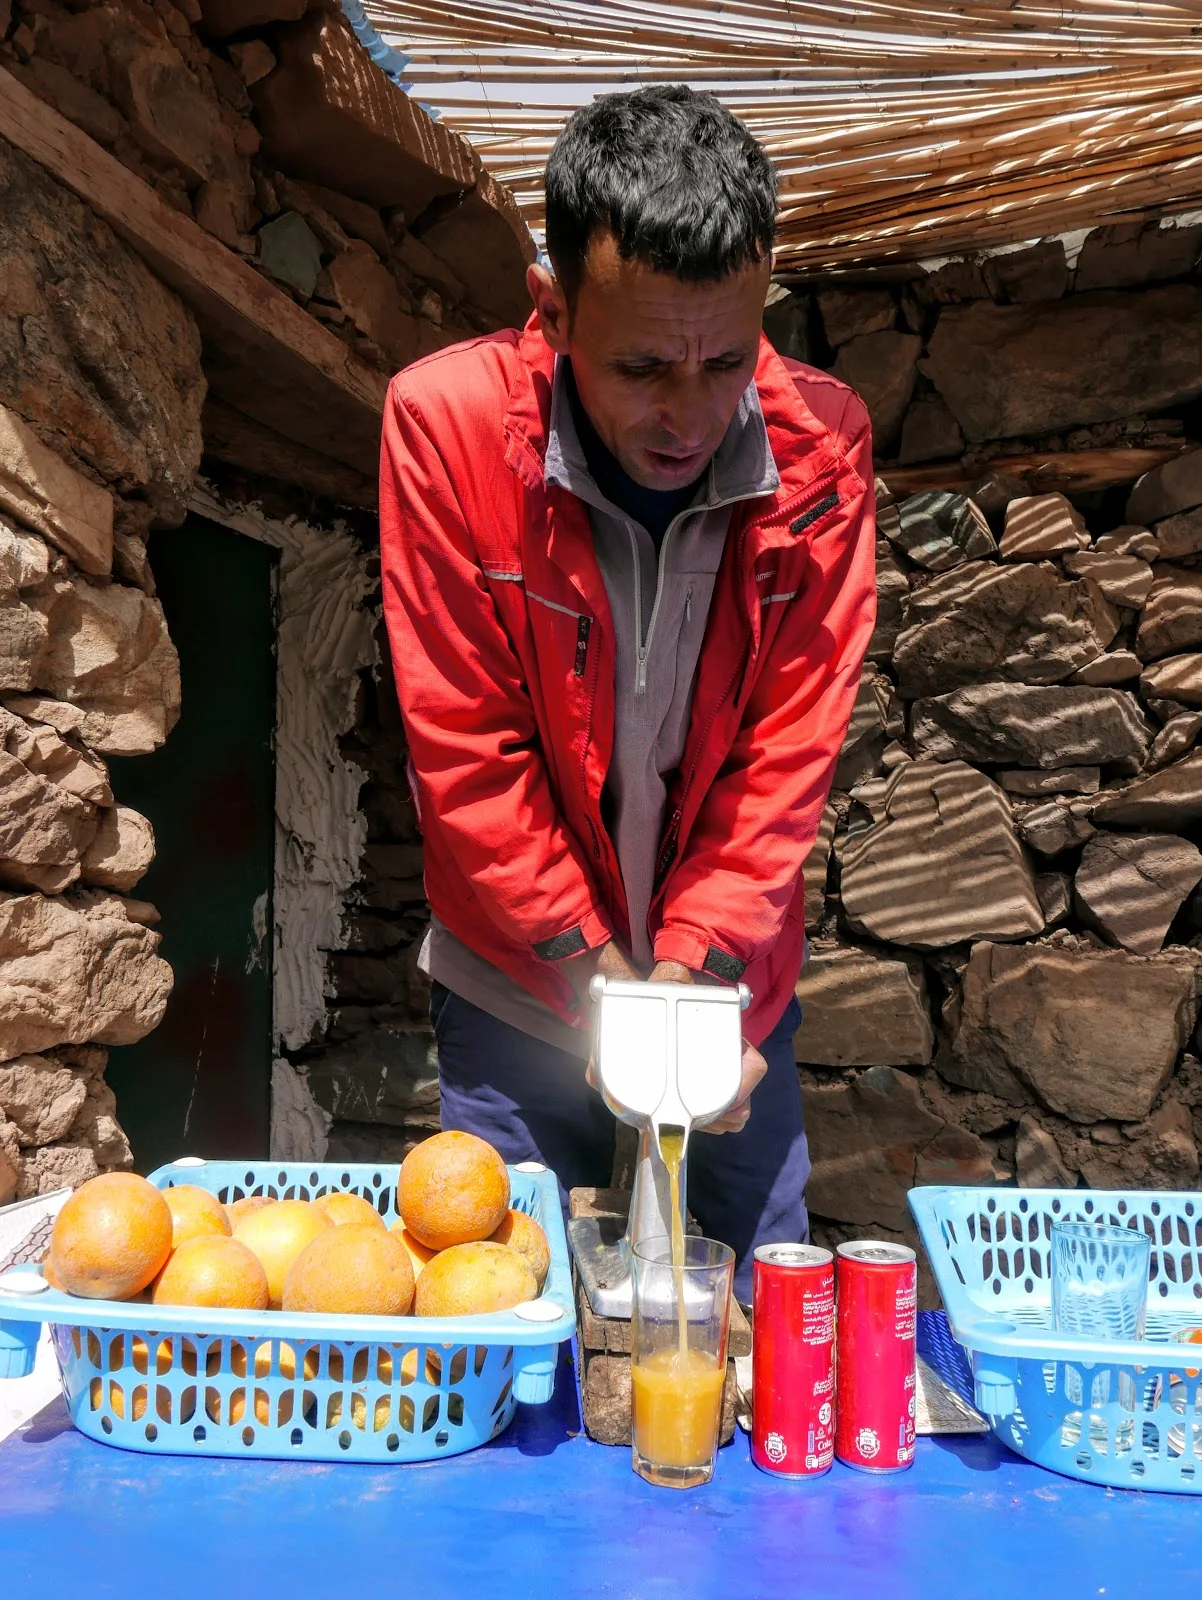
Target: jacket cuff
(589, 934)
(694, 950)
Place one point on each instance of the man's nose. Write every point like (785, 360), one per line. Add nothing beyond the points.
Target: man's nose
(685, 414)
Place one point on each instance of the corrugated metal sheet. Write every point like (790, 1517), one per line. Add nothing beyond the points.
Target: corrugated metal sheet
(901, 131)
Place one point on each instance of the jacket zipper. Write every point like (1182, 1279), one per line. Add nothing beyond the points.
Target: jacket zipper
(583, 629)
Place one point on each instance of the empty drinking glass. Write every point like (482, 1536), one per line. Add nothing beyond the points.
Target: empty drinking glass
(1099, 1279)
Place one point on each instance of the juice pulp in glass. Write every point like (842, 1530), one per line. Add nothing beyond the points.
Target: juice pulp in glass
(677, 1403)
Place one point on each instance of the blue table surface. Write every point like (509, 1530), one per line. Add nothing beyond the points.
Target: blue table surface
(545, 1512)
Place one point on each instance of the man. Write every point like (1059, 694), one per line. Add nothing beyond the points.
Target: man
(628, 562)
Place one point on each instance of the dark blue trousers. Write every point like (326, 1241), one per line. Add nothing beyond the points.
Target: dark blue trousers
(530, 1100)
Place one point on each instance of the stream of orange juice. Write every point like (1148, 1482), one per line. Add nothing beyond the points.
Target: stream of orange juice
(676, 1394)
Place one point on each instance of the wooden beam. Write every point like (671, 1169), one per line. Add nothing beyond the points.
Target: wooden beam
(272, 359)
(1063, 471)
(240, 441)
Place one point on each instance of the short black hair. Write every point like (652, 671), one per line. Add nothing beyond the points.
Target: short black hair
(673, 174)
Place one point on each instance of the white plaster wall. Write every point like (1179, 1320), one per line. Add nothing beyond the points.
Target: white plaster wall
(326, 636)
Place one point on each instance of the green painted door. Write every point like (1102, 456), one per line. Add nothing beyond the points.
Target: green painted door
(200, 1083)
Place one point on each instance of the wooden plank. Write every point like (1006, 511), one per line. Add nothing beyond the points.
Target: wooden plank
(242, 442)
(1062, 471)
(605, 1393)
(290, 373)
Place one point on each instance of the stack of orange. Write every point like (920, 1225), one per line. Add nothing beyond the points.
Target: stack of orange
(456, 1249)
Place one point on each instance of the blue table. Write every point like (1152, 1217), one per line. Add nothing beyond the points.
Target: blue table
(545, 1512)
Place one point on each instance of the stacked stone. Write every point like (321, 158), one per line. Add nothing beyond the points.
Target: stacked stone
(100, 396)
(1005, 905)
(271, 126)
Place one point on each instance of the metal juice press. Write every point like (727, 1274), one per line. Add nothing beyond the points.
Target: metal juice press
(668, 1057)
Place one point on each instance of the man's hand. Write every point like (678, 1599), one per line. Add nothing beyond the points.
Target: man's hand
(734, 1118)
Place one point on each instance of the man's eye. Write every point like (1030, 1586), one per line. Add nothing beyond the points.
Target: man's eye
(645, 371)
(725, 363)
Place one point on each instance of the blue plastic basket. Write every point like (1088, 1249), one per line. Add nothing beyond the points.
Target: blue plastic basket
(1127, 1414)
(282, 1384)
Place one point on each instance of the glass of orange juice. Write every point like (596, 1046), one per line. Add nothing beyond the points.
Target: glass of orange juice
(678, 1357)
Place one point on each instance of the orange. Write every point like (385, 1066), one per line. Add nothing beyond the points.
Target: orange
(419, 1253)
(521, 1233)
(354, 1271)
(286, 1368)
(452, 1189)
(194, 1212)
(470, 1278)
(277, 1234)
(111, 1238)
(237, 1209)
(211, 1270)
(342, 1207)
(138, 1390)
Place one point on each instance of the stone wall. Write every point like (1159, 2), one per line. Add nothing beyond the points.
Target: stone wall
(271, 127)
(100, 399)
(1005, 906)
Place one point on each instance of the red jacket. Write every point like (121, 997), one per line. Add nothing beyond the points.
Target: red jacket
(509, 705)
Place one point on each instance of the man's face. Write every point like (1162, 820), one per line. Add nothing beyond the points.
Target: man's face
(659, 363)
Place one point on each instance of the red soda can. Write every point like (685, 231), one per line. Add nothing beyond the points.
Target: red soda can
(877, 1323)
(793, 1360)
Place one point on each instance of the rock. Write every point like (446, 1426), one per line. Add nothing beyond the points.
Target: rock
(24, 562)
(865, 737)
(952, 283)
(1092, 1034)
(938, 530)
(1129, 254)
(1061, 780)
(851, 314)
(485, 242)
(367, 292)
(930, 433)
(41, 1098)
(861, 1008)
(881, 368)
(96, 354)
(1055, 827)
(1180, 535)
(1123, 580)
(223, 17)
(1055, 891)
(45, 752)
(43, 830)
(120, 854)
(76, 969)
(1173, 486)
(786, 322)
(992, 493)
(943, 866)
(1158, 1153)
(1174, 678)
(9, 1174)
(328, 113)
(56, 1166)
(1171, 619)
(1044, 727)
(1119, 666)
(814, 873)
(360, 221)
(110, 657)
(1170, 800)
(1015, 371)
(869, 1137)
(1042, 525)
(253, 58)
(1129, 540)
(386, 1076)
(24, 638)
(892, 589)
(1023, 623)
(40, 490)
(1039, 272)
(1130, 889)
(1038, 1160)
(290, 251)
(1178, 735)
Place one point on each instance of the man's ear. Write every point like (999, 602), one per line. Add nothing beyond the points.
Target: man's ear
(550, 305)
